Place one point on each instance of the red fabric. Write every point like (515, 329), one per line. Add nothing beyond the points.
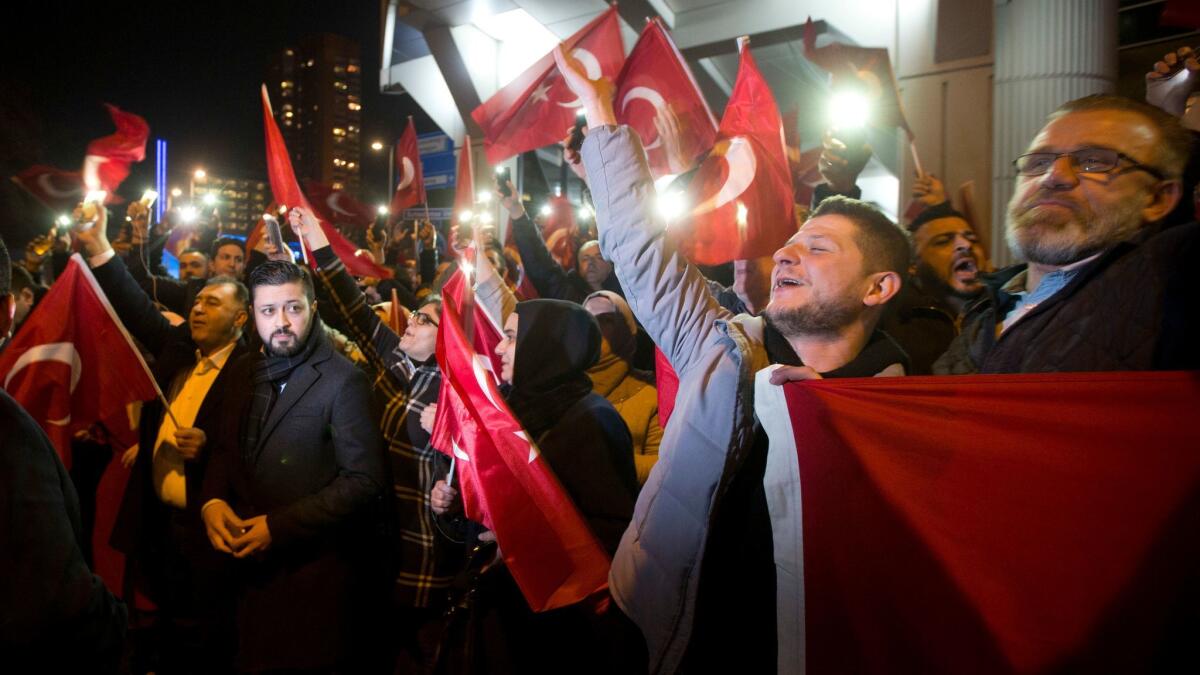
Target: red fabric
(535, 109)
(559, 229)
(287, 192)
(397, 317)
(666, 380)
(410, 188)
(868, 68)
(996, 523)
(464, 184)
(747, 167)
(506, 485)
(59, 190)
(1185, 13)
(338, 207)
(72, 364)
(656, 69)
(107, 162)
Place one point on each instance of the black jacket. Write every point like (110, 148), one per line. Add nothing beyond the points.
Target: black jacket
(319, 478)
(1133, 308)
(923, 327)
(142, 512)
(55, 615)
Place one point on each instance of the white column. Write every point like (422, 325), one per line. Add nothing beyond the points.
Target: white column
(1048, 52)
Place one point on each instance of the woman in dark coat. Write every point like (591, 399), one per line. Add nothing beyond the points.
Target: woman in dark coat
(547, 349)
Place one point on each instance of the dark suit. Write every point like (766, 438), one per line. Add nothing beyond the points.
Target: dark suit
(55, 615)
(319, 477)
(170, 558)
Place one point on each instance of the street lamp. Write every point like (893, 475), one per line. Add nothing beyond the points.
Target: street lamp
(198, 174)
(377, 146)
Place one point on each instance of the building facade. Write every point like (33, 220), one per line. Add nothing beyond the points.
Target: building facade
(316, 96)
(239, 200)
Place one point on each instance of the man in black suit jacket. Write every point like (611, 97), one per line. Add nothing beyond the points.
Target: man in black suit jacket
(158, 526)
(296, 488)
(55, 615)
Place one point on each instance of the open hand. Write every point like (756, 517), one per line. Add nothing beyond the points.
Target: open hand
(595, 95)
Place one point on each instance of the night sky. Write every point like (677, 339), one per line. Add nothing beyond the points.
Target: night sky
(192, 69)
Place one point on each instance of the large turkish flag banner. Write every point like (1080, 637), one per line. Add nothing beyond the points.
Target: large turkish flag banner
(59, 190)
(410, 190)
(985, 524)
(73, 364)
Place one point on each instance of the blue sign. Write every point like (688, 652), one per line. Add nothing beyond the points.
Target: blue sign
(437, 160)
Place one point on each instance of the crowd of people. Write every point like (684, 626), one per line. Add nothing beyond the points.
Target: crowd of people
(287, 510)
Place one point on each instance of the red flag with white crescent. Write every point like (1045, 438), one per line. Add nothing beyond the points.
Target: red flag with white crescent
(410, 188)
(59, 190)
(536, 108)
(107, 162)
(742, 194)
(464, 186)
(505, 483)
(983, 524)
(72, 364)
(656, 76)
(286, 191)
(338, 207)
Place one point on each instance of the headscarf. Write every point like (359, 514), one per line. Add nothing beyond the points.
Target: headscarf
(618, 327)
(557, 341)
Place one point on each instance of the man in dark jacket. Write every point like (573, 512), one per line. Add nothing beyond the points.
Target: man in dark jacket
(55, 615)
(295, 489)
(158, 525)
(1104, 288)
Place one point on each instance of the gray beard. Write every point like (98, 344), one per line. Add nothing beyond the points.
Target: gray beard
(820, 318)
(1105, 230)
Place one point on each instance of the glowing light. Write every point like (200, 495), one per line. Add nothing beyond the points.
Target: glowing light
(176, 192)
(742, 212)
(500, 170)
(671, 206)
(382, 209)
(465, 217)
(849, 110)
(200, 173)
(546, 210)
(64, 220)
(585, 213)
(210, 199)
(376, 146)
(485, 218)
(484, 196)
(187, 214)
(149, 197)
(95, 196)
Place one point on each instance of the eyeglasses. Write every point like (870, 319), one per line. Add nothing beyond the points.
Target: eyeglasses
(1083, 160)
(423, 319)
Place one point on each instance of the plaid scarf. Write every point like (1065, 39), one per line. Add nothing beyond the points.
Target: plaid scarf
(268, 374)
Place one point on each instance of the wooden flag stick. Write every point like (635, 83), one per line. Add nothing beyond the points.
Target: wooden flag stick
(450, 473)
(912, 149)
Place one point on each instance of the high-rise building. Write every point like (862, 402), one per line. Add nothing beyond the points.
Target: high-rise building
(240, 200)
(316, 95)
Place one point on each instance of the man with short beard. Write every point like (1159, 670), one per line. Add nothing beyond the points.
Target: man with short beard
(1104, 286)
(295, 490)
(695, 570)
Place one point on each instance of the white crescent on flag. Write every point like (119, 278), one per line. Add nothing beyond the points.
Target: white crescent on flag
(591, 65)
(739, 155)
(653, 98)
(46, 183)
(332, 202)
(63, 352)
(458, 452)
(406, 173)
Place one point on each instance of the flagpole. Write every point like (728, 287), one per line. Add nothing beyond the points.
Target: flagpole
(912, 149)
(450, 473)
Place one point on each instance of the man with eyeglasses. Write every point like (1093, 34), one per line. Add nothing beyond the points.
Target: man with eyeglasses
(1103, 286)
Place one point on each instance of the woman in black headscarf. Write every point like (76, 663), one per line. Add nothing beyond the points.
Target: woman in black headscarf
(547, 348)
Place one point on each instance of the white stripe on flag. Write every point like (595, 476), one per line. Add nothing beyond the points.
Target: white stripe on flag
(781, 482)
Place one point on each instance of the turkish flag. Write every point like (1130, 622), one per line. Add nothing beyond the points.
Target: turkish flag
(666, 382)
(107, 162)
(73, 364)
(287, 192)
(464, 186)
(59, 190)
(867, 68)
(506, 485)
(338, 207)
(397, 317)
(985, 524)
(742, 193)
(411, 188)
(536, 108)
(653, 77)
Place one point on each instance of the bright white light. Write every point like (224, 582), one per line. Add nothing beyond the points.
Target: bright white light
(382, 210)
(95, 196)
(187, 214)
(210, 199)
(500, 169)
(376, 146)
(465, 217)
(848, 110)
(200, 173)
(176, 192)
(149, 197)
(467, 268)
(742, 212)
(484, 196)
(64, 220)
(485, 218)
(671, 205)
(546, 209)
(585, 213)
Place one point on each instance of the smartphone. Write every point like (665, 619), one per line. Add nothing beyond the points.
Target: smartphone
(148, 198)
(92, 203)
(273, 233)
(576, 139)
(503, 176)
